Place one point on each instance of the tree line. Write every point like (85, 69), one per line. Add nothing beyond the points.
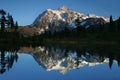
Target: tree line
(7, 23)
(8, 28)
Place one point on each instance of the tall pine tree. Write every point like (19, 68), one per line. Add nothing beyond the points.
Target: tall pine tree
(11, 22)
(3, 20)
(111, 24)
(3, 23)
(16, 25)
(118, 24)
(8, 20)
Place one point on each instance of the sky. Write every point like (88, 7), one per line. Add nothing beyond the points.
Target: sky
(26, 11)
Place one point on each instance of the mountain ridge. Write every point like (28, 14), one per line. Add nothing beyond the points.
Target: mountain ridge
(56, 20)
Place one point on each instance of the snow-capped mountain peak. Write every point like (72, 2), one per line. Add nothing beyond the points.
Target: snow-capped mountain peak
(63, 8)
(56, 20)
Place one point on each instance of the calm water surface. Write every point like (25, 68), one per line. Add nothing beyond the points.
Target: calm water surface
(42, 63)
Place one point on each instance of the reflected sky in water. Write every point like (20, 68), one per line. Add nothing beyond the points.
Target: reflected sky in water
(28, 68)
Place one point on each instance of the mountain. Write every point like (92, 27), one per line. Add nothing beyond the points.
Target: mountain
(57, 20)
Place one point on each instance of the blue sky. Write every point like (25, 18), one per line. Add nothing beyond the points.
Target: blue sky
(25, 11)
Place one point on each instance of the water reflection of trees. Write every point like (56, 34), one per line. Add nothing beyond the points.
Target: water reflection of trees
(111, 60)
(7, 59)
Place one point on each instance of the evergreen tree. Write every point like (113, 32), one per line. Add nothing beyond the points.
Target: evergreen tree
(110, 62)
(2, 12)
(11, 22)
(16, 25)
(118, 24)
(111, 24)
(3, 20)
(111, 20)
(118, 61)
(2, 26)
(8, 20)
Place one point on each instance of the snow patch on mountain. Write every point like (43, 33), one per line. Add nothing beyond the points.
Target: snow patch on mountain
(56, 20)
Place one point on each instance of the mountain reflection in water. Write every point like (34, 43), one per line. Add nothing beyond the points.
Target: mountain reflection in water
(63, 60)
(60, 59)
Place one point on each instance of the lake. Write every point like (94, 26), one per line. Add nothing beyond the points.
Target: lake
(59, 63)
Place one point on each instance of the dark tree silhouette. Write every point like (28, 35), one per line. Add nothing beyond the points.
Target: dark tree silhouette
(111, 24)
(3, 23)
(16, 25)
(8, 20)
(118, 24)
(3, 20)
(110, 62)
(118, 61)
(11, 22)
(2, 56)
(2, 12)
(2, 26)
